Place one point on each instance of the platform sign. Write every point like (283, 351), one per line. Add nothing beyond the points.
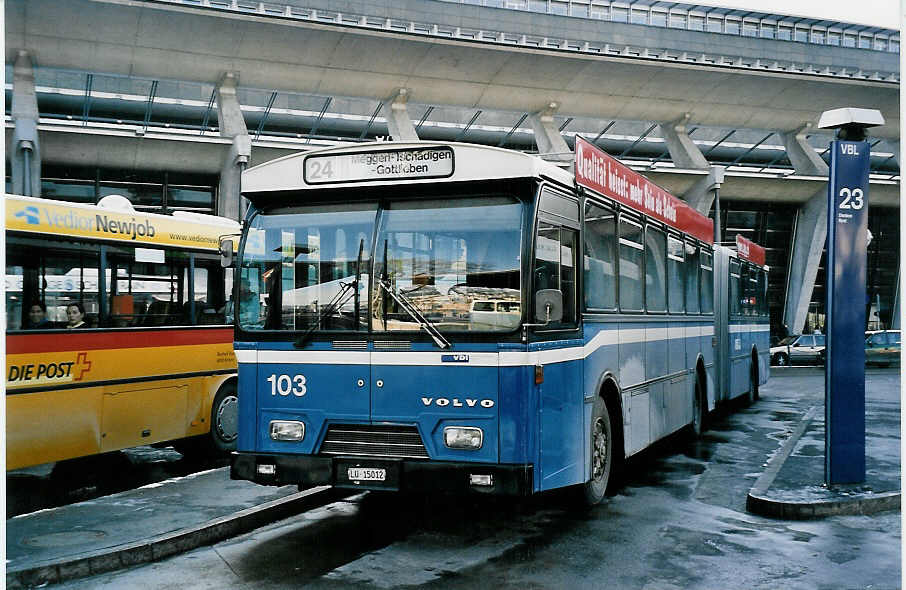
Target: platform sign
(847, 245)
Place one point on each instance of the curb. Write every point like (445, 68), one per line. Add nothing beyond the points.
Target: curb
(758, 502)
(155, 548)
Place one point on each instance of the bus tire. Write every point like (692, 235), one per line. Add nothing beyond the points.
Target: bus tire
(753, 383)
(225, 418)
(602, 453)
(699, 409)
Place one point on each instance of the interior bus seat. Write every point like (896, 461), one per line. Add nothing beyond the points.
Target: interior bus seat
(157, 314)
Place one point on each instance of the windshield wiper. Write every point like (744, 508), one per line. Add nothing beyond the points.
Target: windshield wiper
(413, 311)
(346, 291)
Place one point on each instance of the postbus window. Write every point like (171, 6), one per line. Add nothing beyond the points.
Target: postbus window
(631, 253)
(734, 287)
(69, 276)
(152, 287)
(600, 258)
(676, 274)
(16, 307)
(692, 277)
(655, 269)
(707, 282)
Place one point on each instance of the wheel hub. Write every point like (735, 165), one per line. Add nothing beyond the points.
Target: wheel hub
(600, 449)
(228, 418)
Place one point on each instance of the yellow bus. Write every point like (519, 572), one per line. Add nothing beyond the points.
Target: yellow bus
(117, 330)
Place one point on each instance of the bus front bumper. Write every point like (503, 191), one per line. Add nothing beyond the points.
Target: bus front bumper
(382, 474)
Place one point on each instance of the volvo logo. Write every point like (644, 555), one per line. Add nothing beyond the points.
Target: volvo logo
(443, 402)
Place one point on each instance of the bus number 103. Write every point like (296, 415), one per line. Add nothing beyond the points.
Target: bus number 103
(285, 385)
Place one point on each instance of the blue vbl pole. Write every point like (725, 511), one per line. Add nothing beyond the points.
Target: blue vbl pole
(847, 245)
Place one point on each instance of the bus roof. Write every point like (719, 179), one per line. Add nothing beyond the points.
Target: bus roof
(59, 218)
(384, 163)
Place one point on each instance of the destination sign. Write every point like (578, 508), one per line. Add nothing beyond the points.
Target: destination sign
(749, 250)
(603, 174)
(371, 166)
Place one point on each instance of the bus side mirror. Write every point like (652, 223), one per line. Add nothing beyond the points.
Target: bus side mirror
(226, 253)
(548, 306)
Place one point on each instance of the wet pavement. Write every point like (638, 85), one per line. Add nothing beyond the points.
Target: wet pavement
(794, 484)
(679, 521)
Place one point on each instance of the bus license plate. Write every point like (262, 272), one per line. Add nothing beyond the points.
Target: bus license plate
(366, 474)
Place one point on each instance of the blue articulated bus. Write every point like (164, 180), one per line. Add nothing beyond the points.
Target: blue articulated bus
(455, 317)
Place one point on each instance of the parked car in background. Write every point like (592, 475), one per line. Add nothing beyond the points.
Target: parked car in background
(882, 348)
(799, 349)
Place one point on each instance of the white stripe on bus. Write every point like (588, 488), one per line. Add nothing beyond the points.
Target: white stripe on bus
(476, 359)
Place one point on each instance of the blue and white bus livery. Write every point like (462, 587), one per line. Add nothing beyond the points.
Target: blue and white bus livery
(442, 316)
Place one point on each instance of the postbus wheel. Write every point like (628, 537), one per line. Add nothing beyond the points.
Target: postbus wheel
(602, 443)
(225, 418)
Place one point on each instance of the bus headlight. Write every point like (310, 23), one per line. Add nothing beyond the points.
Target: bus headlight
(467, 438)
(287, 430)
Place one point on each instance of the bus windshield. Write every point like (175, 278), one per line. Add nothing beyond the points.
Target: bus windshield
(437, 255)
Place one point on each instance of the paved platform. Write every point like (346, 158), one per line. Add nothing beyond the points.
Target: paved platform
(143, 525)
(180, 514)
(792, 486)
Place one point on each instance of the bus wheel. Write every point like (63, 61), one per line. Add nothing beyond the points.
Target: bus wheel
(698, 410)
(225, 418)
(601, 454)
(753, 384)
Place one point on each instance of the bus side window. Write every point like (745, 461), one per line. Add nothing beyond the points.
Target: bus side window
(735, 294)
(655, 271)
(555, 265)
(16, 308)
(693, 268)
(676, 275)
(631, 260)
(707, 281)
(600, 258)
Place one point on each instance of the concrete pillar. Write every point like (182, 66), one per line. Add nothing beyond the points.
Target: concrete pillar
(684, 153)
(232, 125)
(25, 150)
(804, 158)
(397, 114)
(701, 196)
(810, 232)
(547, 136)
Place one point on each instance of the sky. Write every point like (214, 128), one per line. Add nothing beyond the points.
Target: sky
(879, 13)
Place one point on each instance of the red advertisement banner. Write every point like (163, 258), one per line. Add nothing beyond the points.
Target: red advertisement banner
(602, 173)
(749, 250)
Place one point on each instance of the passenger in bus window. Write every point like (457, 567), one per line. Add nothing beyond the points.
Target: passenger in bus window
(37, 317)
(76, 314)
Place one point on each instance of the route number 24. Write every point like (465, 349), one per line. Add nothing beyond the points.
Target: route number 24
(852, 199)
(284, 385)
